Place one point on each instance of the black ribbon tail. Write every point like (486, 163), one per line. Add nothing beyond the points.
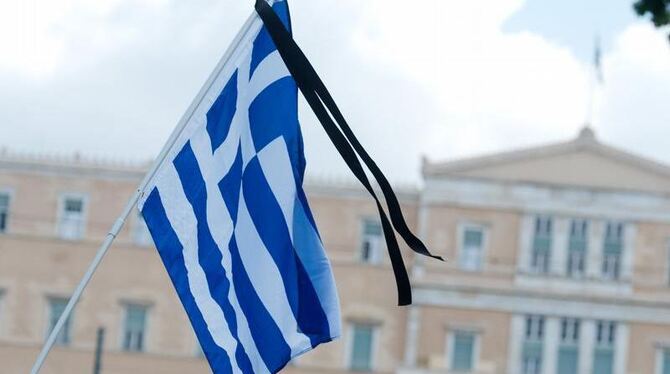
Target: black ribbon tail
(347, 145)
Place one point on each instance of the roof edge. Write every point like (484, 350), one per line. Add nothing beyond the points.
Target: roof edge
(586, 141)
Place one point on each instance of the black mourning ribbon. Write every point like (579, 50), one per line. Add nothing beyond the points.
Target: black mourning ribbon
(348, 146)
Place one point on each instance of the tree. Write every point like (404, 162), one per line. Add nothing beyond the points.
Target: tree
(659, 10)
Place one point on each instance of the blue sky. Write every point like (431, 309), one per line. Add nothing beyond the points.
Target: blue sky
(574, 23)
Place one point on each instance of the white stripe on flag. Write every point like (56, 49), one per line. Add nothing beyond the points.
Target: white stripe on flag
(183, 221)
(221, 228)
(276, 166)
(267, 280)
(268, 71)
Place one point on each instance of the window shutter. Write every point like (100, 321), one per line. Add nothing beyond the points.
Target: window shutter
(666, 362)
(57, 307)
(463, 351)
(603, 361)
(567, 360)
(361, 348)
(4, 211)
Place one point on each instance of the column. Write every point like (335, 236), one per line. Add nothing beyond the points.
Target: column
(621, 348)
(550, 346)
(594, 256)
(411, 340)
(628, 255)
(525, 242)
(515, 341)
(559, 246)
(587, 341)
(418, 268)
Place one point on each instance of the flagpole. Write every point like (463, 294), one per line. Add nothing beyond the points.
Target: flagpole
(118, 224)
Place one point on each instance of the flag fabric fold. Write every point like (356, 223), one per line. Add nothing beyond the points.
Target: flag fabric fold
(347, 144)
(231, 222)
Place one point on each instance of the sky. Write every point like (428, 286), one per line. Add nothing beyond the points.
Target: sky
(441, 79)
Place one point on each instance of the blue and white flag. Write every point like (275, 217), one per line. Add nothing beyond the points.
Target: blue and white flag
(230, 219)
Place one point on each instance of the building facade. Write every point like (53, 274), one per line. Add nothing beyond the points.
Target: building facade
(558, 262)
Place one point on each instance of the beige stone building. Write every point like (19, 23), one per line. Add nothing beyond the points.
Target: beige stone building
(558, 263)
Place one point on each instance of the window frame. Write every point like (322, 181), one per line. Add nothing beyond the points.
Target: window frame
(569, 335)
(538, 233)
(3, 295)
(610, 332)
(571, 325)
(124, 323)
(534, 333)
(379, 258)
(463, 227)
(540, 321)
(349, 345)
(661, 350)
(450, 346)
(609, 329)
(584, 225)
(62, 198)
(611, 266)
(10, 202)
(67, 327)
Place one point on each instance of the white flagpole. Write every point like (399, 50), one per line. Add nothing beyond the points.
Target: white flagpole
(118, 224)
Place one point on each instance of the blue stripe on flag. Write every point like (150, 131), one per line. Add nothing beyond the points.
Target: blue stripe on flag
(273, 231)
(263, 45)
(268, 338)
(274, 113)
(220, 115)
(310, 251)
(171, 252)
(209, 254)
(307, 212)
(266, 334)
(230, 185)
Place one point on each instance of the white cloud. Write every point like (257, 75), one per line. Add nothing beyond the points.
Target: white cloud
(427, 77)
(634, 109)
(491, 87)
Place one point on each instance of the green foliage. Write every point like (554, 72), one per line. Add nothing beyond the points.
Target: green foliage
(659, 10)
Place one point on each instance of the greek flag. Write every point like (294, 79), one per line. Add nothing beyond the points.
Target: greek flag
(230, 219)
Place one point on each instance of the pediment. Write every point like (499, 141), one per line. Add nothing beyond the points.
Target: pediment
(583, 162)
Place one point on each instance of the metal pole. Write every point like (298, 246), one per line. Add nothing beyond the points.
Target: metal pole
(252, 22)
(99, 343)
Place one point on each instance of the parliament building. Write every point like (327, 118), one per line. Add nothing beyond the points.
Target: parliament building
(558, 262)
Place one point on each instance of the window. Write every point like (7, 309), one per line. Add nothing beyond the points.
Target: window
(613, 247)
(532, 346)
(360, 354)
(472, 248)
(4, 211)
(568, 349)
(664, 362)
(603, 356)
(2, 294)
(577, 245)
(71, 225)
(541, 245)
(462, 351)
(134, 329)
(56, 308)
(371, 244)
(141, 234)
